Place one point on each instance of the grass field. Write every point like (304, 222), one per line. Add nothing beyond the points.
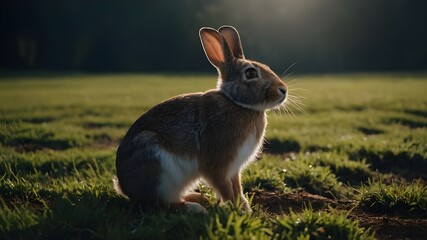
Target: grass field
(353, 167)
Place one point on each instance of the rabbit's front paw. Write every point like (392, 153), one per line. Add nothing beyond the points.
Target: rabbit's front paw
(245, 205)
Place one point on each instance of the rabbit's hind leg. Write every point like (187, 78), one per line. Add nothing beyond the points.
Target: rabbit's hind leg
(138, 177)
(178, 175)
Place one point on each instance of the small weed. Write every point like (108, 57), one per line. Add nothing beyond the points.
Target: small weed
(319, 225)
(396, 198)
(347, 171)
(14, 219)
(313, 179)
(264, 174)
(226, 224)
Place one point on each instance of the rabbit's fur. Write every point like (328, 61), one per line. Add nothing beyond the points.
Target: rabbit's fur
(210, 135)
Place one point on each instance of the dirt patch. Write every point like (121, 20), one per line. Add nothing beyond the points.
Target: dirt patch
(385, 226)
(391, 227)
(278, 203)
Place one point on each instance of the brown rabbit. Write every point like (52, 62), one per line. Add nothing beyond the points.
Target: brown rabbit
(211, 135)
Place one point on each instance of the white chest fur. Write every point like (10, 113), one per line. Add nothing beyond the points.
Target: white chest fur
(246, 154)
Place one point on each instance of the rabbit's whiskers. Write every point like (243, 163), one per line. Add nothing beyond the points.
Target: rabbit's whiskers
(294, 101)
(284, 73)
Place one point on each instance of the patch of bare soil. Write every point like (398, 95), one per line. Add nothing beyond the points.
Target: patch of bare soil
(389, 227)
(392, 227)
(278, 203)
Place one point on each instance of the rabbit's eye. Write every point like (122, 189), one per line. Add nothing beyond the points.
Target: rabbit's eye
(251, 73)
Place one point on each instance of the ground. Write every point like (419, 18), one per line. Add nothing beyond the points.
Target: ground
(345, 160)
(386, 226)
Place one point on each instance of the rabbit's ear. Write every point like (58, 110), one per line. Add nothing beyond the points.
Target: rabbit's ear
(215, 46)
(233, 39)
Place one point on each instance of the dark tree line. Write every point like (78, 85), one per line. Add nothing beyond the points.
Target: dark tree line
(162, 35)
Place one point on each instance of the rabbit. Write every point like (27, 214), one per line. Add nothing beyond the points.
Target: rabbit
(208, 135)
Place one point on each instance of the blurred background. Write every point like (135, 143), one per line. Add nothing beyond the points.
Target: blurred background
(162, 36)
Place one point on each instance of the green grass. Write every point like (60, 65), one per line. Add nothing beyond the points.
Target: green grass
(395, 198)
(363, 141)
(320, 225)
(313, 179)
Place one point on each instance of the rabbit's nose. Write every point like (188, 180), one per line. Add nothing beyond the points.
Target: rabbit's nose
(282, 90)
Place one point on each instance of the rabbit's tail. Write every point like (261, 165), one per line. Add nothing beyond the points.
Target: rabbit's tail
(118, 188)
